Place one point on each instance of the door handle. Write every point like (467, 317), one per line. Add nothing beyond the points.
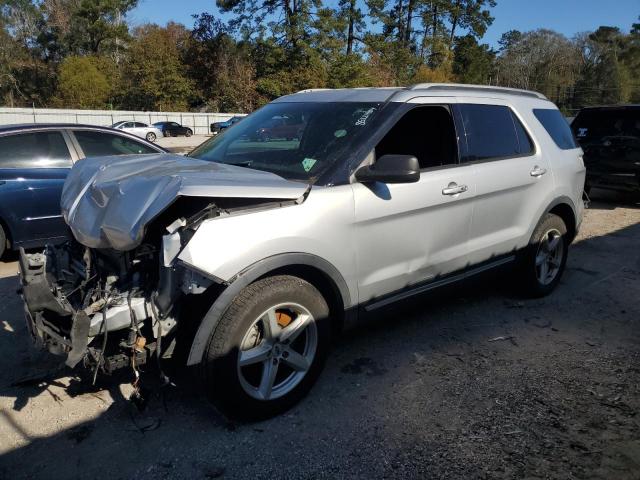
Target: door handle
(454, 189)
(537, 171)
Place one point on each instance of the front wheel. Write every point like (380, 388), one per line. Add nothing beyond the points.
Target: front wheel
(188, 133)
(151, 137)
(544, 260)
(268, 348)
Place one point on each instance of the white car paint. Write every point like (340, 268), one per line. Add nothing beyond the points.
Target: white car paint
(409, 233)
(140, 129)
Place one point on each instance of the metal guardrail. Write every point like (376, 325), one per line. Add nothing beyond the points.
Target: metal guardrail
(198, 122)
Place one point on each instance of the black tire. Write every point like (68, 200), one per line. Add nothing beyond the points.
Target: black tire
(220, 366)
(167, 133)
(3, 242)
(188, 133)
(151, 137)
(529, 271)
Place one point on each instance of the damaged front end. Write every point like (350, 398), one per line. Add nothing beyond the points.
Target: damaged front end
(111, 295)
(105, 308)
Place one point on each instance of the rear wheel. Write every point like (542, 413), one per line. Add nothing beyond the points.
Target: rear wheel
(268, 349)
(546, 256)
(151, 137)
(3, 241)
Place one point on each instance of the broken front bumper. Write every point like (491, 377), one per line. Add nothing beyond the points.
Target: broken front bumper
(65, 317)
(55, 325)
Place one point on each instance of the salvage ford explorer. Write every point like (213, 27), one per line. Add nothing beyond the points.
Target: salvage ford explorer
(248, 254)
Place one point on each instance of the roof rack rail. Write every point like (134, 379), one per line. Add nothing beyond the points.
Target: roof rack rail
(475, 88)
(309, 90)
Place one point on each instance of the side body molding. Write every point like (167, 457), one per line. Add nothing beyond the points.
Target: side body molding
(248, 276)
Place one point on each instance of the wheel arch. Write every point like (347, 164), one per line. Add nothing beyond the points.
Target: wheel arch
(317, 271)
(7, 232)
(564, 208)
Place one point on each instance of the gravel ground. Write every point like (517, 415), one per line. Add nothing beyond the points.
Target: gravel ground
(471, 382)
(182, 145)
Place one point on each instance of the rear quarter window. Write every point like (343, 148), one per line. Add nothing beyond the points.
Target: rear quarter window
(556, 126)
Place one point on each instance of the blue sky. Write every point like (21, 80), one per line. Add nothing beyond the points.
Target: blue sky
(565, 16)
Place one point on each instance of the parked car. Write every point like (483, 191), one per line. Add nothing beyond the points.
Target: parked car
(280, 127)
(139, 129)
(248, 256)
(219, 127)
(34, 162)
(610, 138)
(173, 129)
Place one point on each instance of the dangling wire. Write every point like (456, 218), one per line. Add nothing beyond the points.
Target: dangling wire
(104, 338)
(165, 379)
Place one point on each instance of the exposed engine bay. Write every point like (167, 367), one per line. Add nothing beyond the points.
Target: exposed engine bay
(106, 308)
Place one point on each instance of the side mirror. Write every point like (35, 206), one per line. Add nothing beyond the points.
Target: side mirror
(391, 169)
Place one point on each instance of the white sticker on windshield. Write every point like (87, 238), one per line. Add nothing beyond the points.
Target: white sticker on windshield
(582, 132)
(308, 163)
(363, 119)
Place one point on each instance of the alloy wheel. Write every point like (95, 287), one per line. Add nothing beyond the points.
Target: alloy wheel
(549, 256)
(277, 351)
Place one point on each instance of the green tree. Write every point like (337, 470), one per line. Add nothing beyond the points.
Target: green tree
(221, 68)
(604, 79)
(153, 76)
(97, 26)
(81, 84)
(472, 62)
(630, 58)
(28, 74)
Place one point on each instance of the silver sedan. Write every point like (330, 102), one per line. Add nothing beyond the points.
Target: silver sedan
(143, 130)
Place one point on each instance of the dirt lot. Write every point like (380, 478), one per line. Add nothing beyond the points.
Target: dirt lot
(473, 382)
(181, 145)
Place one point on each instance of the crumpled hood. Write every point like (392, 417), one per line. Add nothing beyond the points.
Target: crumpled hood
(108, 201)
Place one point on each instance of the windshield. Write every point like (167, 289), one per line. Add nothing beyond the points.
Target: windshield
(298, 141)
(117, 124)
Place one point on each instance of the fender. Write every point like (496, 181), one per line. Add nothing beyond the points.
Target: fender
(562, 199)
(248, 276)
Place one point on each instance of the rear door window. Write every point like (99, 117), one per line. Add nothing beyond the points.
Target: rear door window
(100, 144)
(491, 133)
(34, 150)
(556, 126)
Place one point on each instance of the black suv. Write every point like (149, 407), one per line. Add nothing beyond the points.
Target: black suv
(610, 138)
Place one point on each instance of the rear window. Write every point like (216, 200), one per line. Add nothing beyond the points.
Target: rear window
(597, 124)
(34, 150)
(493, 132)
(556, 126)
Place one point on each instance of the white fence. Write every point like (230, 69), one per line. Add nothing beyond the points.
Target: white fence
(198, 122)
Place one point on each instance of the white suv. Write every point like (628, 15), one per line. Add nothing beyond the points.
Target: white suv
(249, 253)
